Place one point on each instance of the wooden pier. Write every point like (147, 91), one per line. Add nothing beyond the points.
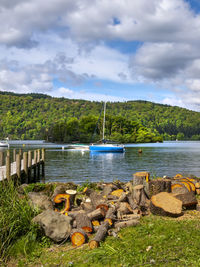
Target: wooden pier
(27, 166)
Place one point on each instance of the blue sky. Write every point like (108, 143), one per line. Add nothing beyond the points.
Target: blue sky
(98, 50)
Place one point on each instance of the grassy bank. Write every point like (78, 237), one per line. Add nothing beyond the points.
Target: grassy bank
(157, 241)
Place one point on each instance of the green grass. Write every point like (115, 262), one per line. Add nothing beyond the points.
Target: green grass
(170, 242)
(18, 235)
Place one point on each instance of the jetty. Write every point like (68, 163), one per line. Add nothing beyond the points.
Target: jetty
(28, 166)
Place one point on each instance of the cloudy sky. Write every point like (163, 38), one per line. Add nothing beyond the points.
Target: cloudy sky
(114, 50)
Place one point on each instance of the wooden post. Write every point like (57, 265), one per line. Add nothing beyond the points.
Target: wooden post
(34, 167)
(43, 154)
(8, 168)
(29, 164)
(38, 164)
(20, 153)
(1, 158)
(25, 163)
(18, 165)
(43, 164)
(14, 155)
(8, 153)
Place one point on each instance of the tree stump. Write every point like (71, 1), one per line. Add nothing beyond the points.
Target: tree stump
(166, 204)
(142, 178)
(159, 185)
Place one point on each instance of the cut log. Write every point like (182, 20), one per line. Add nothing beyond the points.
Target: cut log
(100, 235)
(192, 186)
(133, 222)
(142, 178)
(78, 237)
(72, 194)
(123, 208)
(108, 188)
(127, 217)
(87, 206)
(83, 222)
(95, 223)
(117, 193)
(197, 185)
(198, 191)
(73, 213)
(96, 214)
(166, 204)
(63, 198)
(159, 185)
(188, 199)
(131, 201)
(179, 188)
(139, 195)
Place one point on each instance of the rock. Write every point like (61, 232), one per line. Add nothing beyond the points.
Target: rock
(55, 225)
(40, 201)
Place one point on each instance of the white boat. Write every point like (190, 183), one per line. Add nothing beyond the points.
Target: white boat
(4, 144)
(104, 146)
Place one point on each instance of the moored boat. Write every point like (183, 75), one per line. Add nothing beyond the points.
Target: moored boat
(104, 146)
(4, 144)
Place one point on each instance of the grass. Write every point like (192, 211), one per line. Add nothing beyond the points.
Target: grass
(155, 242)
(18, 235)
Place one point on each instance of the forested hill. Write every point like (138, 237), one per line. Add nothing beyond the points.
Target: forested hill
(33, 116)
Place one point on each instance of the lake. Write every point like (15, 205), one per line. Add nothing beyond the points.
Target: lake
(168, 158)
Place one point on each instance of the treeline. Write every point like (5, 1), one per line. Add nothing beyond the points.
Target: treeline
(89, 129)
(39, 116)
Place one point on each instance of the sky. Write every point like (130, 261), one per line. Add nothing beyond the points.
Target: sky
(102, 50)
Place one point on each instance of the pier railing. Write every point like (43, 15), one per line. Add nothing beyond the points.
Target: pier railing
(28, 165)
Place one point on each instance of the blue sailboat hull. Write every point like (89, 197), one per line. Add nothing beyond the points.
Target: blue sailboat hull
(107, 148)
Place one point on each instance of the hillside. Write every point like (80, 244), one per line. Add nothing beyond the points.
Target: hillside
(32, 116)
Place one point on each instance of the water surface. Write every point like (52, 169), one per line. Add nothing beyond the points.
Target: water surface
(168, 158)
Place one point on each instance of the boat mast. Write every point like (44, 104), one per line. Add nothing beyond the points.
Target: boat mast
(104, 118)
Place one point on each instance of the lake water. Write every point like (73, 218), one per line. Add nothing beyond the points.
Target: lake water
(168, 158)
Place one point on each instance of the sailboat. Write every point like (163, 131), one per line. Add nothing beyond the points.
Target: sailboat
(104, 146)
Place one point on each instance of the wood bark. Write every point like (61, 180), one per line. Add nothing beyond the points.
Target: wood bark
(132, 222)
(188, 199)
(166, 204)
(95, 214)
(142, 178)
(84, 222)
(100, 235)
(159, 185)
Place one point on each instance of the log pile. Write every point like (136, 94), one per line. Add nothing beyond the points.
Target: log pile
(94, 214)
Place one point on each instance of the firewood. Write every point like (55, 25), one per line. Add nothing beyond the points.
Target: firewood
(95, 223)
(97, 199)
(127, 217)
(131, 201)
(188, 182)
(103, 207)
(108, 188)
(179, 188)
(74, 213)
(84, 222)
(96, 214)
(133, 222)
(117, 192)
(87, 206)
(100, 235)
(188, 199)
(123, 208)
(72, 194)
(142, 178)
(159, 185)
(139, 195)
(110, 215)
(166, 204)
(197, 185)
(60, 198)
(78, 237)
